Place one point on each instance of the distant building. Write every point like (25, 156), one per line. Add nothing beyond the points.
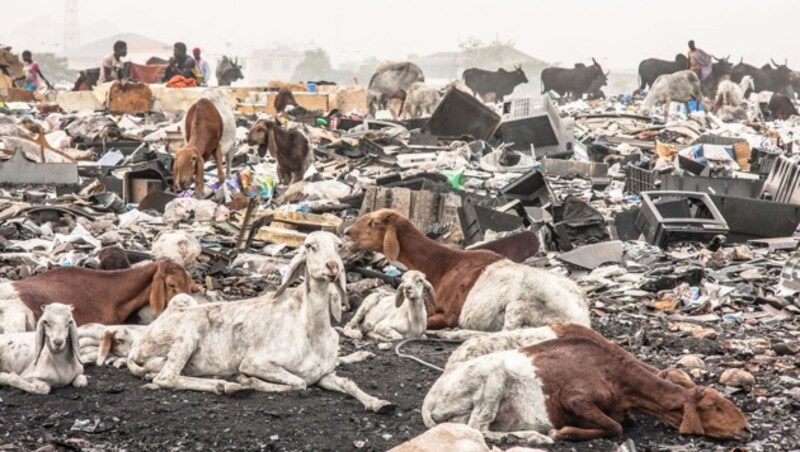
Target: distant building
(140, 49)
(264, 65)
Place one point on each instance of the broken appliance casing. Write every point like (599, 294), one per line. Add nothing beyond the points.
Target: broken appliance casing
(670, 216)
(459, 114)
(527, 122)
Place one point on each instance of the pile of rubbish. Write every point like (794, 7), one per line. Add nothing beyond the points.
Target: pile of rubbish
(688, 227)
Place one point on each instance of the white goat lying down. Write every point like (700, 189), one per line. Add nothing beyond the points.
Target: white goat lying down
(386, 317)
(110, 344)
(107, 344)
(273, 343)
(36, 361)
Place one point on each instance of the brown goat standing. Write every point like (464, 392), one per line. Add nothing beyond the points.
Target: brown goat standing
(203, 128)
(98, 296)
(289, 148)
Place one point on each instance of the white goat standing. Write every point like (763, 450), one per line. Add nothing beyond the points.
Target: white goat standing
(390, 318)
(49, 357)
(731, 94)
(273, 343)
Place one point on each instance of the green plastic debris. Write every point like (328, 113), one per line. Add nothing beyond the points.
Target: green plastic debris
(455, 177)
(321, 122)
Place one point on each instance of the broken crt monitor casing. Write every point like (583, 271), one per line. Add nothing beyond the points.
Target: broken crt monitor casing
(527, 122)
(459, 114)
(671, 216)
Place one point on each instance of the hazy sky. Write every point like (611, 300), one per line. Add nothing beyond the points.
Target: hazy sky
(619, 33)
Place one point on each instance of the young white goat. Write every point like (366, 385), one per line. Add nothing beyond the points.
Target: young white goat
(732, 94)
(49, 357)
(107, 344)
(391, 318)
(110, 344)
(273, 343)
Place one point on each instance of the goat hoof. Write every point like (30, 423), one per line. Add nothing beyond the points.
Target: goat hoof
(384, 407)
(80, 381)
(39, 387)
(151, 386)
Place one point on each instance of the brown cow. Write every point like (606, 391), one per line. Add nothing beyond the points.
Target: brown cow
(288, 147)
(203, 130)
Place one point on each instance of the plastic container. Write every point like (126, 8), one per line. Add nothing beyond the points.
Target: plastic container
(311, 87)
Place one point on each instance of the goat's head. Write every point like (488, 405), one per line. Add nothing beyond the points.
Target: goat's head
(376, 231)
(319, 259)
(56, 329)
(414, 287)
(117, 342)
(187, 163)
(170, 279)
(708, 413)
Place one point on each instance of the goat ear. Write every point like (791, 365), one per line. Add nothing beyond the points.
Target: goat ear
(73, 341)
(391, 246)
(429, 294)
(104, 349)
(39, 338)
(341, 289)
(158, 291)
(691, 424)
(295, 267)
(399, 296)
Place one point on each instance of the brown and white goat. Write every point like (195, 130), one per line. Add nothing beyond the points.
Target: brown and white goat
(475, 289)
(209, 130)
(572, 389)
(289, 147)
(97, 296)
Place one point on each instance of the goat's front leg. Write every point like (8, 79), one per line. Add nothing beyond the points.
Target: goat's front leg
(530, 437)
(590, 414)
(33, 386)
(180, 353)
(268, 377)
(333, 382)
(220, 166)
(355, 357)
(457, 335)
(353, 327)
(199, 180)
(385, 335)
(487, 400)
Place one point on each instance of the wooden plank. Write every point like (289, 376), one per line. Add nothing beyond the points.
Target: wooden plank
(423, 212)
(381, 199)
(401, 201)
(368, 205)
(286, 237)
(306, 219)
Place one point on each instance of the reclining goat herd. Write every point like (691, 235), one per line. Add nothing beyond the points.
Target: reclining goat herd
(532, 370)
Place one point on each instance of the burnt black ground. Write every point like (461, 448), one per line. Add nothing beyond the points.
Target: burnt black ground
(138, 419)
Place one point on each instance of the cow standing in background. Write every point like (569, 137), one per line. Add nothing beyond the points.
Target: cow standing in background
(389, 82)
(574, 82)
(651, 68)
(494, 86)
(228, 71)
(720, 70)
(766, 78)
